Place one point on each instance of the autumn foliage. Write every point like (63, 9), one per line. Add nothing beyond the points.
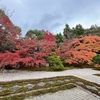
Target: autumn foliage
(28, 51)
(79, 50)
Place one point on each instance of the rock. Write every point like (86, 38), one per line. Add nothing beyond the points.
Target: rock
(91, 87)
(29, 86)
(41, 84)
(66, 80)
(51, 82)
(14, 88)
(71, 79)
(97, 87)
(60, 81)
(1, 89)
(80, 83)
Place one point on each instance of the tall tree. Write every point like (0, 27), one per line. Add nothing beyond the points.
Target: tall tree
(38, 34)
(68, 33)
(94, 30)
(78, 30)
(59, 38)
(8, 32)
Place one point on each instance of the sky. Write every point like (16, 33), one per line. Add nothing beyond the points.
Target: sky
(52, 15)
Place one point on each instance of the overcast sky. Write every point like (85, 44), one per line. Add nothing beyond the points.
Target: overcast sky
(52, 15)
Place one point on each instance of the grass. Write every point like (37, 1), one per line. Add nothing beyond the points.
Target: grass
(51, 90)
(47, 68)
(97, 75)
(38, 69)
(97, 68)
(34, 69)
(25, 92)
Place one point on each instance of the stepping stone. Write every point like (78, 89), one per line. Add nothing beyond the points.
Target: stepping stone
(60, 81)
(1, 89)
(72, 79)
(41, 84)
(66, 80)
(51, 82)
(80, 83)
(91, 87)
(29, 86)
(98, 87)
(14, 88)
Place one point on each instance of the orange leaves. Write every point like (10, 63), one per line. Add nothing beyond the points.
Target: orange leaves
(97, 65)
(81, 50)
(82, 57)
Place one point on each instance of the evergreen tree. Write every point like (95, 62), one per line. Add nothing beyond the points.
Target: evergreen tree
(55, 62)
(59, 38)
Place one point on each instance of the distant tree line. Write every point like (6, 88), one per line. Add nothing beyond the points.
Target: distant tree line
(78, 30)
(68, 33)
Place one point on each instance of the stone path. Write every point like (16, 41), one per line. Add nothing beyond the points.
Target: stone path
(72, 94)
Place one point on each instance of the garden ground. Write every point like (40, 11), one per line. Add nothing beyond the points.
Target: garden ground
(85, 73)
(76, 93)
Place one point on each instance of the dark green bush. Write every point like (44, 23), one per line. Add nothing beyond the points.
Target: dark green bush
(55, 62)
(96, 59)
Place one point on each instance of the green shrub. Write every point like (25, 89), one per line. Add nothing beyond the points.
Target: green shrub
(55, 62)
(96, 59)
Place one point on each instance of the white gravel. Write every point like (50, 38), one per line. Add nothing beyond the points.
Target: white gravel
(86, 73)
(72, 94)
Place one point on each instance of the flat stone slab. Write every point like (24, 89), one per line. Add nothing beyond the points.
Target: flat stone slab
(91, 87)
(80, 83)
(51, 82)
(29, 86)
(67, 80)
(98, 87)
(1, 89)
(14, 88)
(72, 79)
(60, 81)
(41, 84)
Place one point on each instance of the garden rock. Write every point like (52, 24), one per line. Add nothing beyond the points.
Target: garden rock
(41, 84)
(29, 86)
(66, 80)
(71, 79)
(51, 82)
(14, 88)
(91, 87)
(80, 83)
(1, 89)
(60, 81)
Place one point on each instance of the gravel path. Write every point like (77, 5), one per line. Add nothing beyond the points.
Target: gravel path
(86, 73)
